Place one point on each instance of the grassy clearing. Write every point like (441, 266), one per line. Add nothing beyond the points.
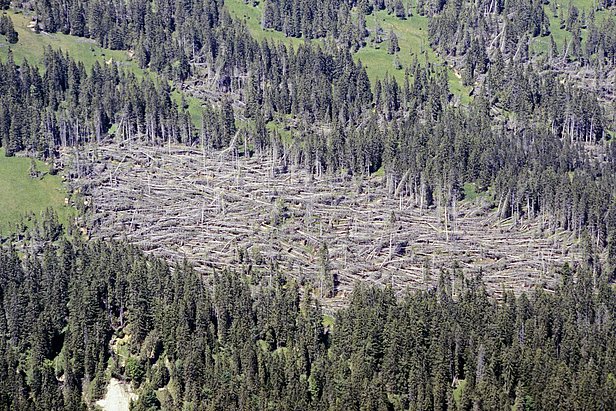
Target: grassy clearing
(470, 191)
(193, 105)
(413, 40)
(414, 44)
(275, 127)
(473, 193)
(251, 16)
(457, 392)
(328, 321)
(32, 45)
(541, 45)
(20, 194)
(580, 4)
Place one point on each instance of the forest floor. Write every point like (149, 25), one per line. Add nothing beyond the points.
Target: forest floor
(259, 215)
(20, 194)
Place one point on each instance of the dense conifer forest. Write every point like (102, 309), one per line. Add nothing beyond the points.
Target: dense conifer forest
(75, 314)
(531, 130)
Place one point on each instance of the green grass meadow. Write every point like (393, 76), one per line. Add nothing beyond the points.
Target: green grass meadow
(251, 16)
(20, 194)
(413, 40)
(32, 45)
(541, 45)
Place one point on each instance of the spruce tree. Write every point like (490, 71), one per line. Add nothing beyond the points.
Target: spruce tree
(392, 46)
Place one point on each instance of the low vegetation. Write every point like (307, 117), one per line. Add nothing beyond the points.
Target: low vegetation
(27, 189)
(31, 47)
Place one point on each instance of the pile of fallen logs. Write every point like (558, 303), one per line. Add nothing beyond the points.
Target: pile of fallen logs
(224, 211)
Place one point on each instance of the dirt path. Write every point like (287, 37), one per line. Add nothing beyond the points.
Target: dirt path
(118, 396)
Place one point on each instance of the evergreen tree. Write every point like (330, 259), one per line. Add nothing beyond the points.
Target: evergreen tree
(392, 46)
(227, 121)
(7, 29)
(399, 9)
